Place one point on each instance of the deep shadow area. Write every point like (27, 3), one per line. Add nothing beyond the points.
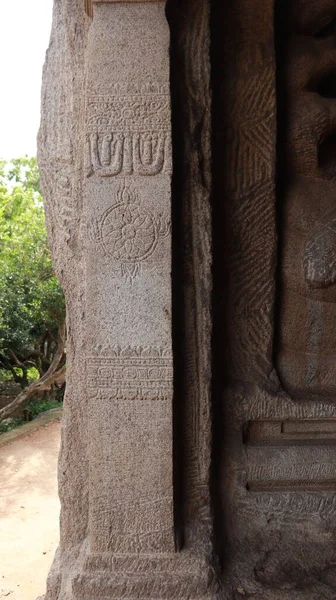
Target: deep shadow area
(220, 27)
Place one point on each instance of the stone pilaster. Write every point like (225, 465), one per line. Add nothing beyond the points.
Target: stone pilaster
(128, 278)
(134, 465)
(129, 362)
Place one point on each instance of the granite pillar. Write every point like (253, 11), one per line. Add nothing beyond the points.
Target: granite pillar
(128, 279)
(123, 460)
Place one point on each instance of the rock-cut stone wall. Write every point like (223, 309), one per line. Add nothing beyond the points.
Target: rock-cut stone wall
(134, 471)
(187, 164)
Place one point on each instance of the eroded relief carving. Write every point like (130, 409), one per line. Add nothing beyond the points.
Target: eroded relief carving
(246, 158)
(128, 132)
(128, 231)
(130, 373)
(298, 505)
(281, 482)
(58, 182)
(307, 329)
(57, 138)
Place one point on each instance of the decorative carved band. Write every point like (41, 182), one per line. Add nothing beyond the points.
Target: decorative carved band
(129, 110)
(113, 154)
(131, 373)
(128, 131)
(291, 455)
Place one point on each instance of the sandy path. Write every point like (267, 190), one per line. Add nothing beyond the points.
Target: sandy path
(29, 512)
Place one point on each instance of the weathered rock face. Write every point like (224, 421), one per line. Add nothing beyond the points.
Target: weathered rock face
(61, 165)
(307, 324)
(132, 525)
(187, 167)
(274, 454)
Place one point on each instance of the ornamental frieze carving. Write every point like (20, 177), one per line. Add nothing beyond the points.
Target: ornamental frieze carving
(130, 373)
(128, 131)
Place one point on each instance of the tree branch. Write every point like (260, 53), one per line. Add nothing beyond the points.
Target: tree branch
(55, 373)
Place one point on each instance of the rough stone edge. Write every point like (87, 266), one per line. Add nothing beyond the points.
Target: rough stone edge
(43, 421)
(60, 151)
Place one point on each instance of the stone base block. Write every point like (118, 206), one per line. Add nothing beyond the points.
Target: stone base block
(181, 576)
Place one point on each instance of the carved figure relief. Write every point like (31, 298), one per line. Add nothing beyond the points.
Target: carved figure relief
(306, 360)
(128, 133)
(128, 232)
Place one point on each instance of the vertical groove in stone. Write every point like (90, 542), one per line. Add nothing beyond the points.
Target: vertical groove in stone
(88, 7)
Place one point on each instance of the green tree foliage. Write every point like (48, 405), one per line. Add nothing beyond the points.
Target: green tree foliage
(32, 304)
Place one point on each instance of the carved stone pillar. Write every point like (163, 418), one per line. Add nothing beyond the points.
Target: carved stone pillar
(128, 279)
(135, 461)
(127, 203)
(128, 333)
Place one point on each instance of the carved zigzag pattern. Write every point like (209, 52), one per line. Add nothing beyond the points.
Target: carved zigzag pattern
(250, 241)
(250, 246)
(257, 94)
(251, 236)
(250, 154)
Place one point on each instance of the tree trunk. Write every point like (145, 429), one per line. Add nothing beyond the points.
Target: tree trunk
(55, 373)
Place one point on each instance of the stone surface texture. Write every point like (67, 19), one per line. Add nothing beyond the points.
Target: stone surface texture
(274, 454)
(306, 358)
(134, 475)
(187, 163)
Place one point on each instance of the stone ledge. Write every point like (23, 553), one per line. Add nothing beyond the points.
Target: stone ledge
(181, 575)
(41, 421)
(89, 3)
(163, 586)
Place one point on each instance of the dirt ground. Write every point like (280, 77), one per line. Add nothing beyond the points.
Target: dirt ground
(29, 512)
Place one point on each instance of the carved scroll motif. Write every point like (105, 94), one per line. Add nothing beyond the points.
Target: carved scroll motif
(306, 360)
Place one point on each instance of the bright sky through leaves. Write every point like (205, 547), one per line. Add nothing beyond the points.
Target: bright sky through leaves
(24, 37)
